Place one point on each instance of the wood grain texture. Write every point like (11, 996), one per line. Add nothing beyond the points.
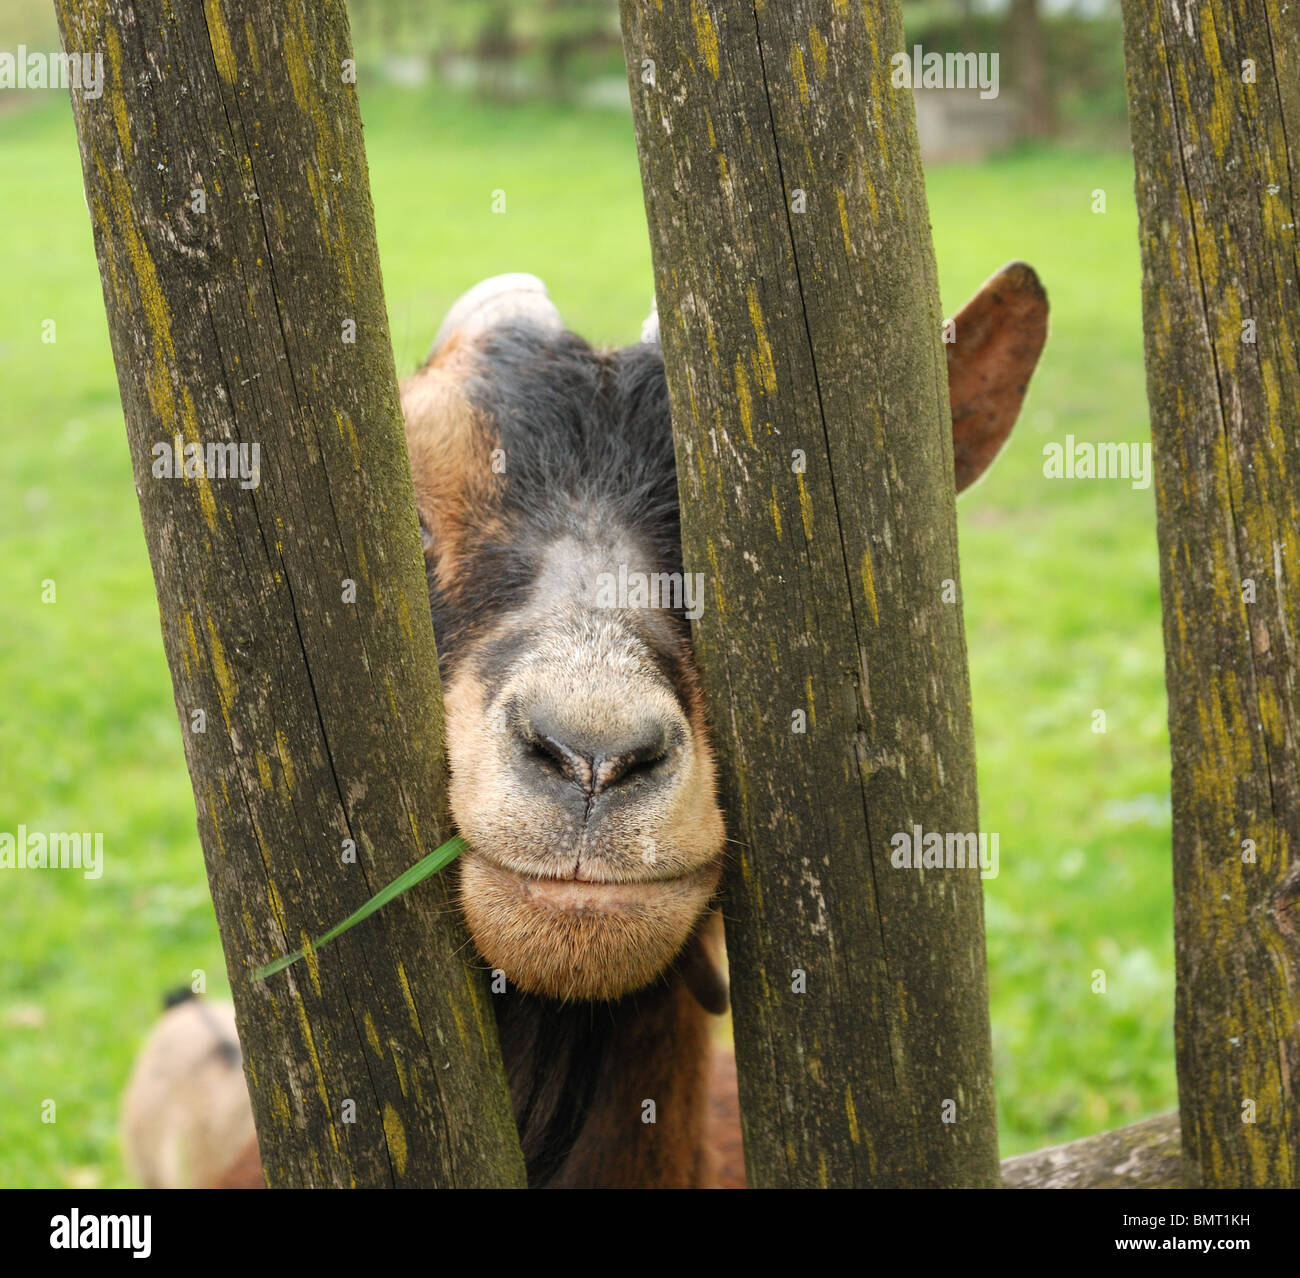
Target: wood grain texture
(800, 318)
(1214, 104)
(323, 717)
(1145, 1155)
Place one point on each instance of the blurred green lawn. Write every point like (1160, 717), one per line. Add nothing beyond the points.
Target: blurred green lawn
(1060, 586)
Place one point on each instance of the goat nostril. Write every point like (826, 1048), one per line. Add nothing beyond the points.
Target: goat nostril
(591, 763)
(569, 763)
(609, 770)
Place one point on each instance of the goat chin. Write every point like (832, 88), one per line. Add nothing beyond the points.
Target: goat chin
(581, 941)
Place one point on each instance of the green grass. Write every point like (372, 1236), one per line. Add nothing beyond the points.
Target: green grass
(1063, 618)
(1060, 590)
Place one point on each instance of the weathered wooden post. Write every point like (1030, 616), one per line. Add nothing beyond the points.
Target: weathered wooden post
(227, 185)
(1214, 105)
(801, 327)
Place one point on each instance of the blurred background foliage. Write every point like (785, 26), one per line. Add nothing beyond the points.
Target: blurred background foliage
(462, 98)
(1062, 58)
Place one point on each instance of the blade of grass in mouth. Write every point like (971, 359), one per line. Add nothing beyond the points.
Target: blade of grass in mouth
(421, 870)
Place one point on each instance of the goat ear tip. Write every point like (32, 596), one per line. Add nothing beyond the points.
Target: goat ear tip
(1022, 277)
(704, 976)
(713, 996)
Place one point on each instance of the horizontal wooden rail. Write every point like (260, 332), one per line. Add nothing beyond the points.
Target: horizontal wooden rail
(1145, 1155)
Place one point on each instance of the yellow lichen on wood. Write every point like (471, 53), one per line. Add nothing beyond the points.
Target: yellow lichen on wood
(276, 907)
(763, 349)
(190, 649)
(395, 1135)
(487, 1032)
(800, 73)
(250, 38)
(868, 575)
(348, 432)
(817, 47)
(805, 507)
(227, 685)
(372, 1035)
(744, 401)
(1271, 712)
(216, 825)
(462, 1030)
(223, 55)
(100, 219)
(408, 998)
(295, 56)
(329, 149)
(851, 1113)
(1223, 113)
(404, 618)
(117, 94)
(711, 340)
(281, 1110)
(174, 420)
(706, 37)
(844, 223)
(286, 760)
(313, 1060)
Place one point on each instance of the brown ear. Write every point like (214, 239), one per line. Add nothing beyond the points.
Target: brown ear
(450, 450)
(999, 335)
(703, 965)
(450, 447)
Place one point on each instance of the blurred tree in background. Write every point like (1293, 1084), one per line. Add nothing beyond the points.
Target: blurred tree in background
(1028, 40)
(1060, 60)
(501, 48)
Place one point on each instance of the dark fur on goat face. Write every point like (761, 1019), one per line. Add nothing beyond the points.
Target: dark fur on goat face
(581, 770)
(582, 443)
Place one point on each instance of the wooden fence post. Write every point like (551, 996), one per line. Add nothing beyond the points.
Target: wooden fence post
(1214, 96)
(227, 185)
(800, 319)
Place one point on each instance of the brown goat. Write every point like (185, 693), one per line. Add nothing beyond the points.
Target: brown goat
(581, 764)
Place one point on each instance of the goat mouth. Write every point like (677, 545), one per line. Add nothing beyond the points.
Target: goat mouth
(587, 891)
(569, 938)
(585, 896)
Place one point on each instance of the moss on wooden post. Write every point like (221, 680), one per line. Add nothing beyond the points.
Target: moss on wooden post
(1214, 107)
(800, 317)
(227, 186)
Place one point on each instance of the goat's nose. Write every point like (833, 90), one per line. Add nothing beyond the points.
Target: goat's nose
(593, 759)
